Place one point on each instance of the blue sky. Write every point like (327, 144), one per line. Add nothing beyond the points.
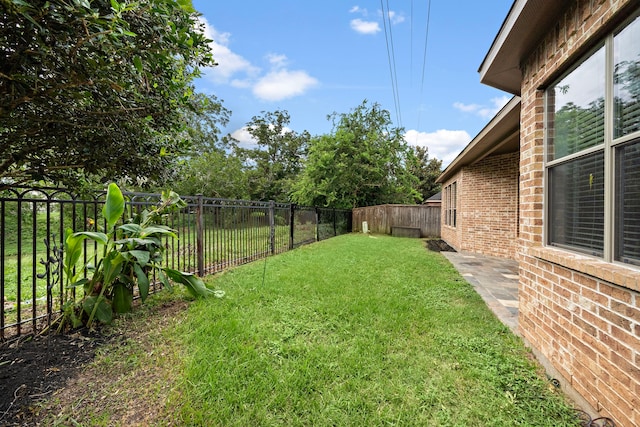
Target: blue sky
(313, 58)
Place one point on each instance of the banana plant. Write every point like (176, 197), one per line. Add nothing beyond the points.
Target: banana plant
(131, 255)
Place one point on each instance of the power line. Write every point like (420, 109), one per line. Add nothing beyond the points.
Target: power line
(411, 48)
(426, 42)
(391, 59)
(424, 63)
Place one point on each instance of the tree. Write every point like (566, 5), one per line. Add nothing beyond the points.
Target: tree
(203, 125)
(211, 168)
(96, 87)
(362, 162)
(427, 171)
(214, 173)
(278, 159)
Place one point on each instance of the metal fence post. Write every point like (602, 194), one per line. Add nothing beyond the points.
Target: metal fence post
(292, 216)
(317, 225)
(272, 226)
(335, 229)
(199, 236)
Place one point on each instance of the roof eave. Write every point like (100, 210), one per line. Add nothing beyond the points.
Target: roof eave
(500, 128)
(525, 25)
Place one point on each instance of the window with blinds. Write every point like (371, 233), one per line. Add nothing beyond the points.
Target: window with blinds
(577, 204)
(628, 203)
(577, 104)
(578, 143)
(450, 204)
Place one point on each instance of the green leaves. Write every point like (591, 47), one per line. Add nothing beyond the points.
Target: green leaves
(97, 306)
(72, 253)
(122, 298)
(137, 62)
(93, 235)
(132, 253)
(114, 205)
(362, 163)
(90, 90)
(143, 281)
(194, 284)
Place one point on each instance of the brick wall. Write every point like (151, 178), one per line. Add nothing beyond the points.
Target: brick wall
(581, 314)
(487, 207)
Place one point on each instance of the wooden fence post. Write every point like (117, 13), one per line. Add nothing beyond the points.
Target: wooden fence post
(199, 236)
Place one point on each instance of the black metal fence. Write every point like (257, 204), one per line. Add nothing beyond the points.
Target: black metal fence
(214, 234)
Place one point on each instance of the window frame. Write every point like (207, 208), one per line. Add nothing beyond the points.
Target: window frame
(608, 147)
(450, 201)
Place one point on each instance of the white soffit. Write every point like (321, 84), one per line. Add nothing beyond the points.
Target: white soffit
(526, 24)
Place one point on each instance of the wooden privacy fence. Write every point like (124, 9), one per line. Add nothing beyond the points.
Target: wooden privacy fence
(380, 219)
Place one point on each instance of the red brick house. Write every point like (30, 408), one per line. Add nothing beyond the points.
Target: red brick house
(480, 189)
(574, 67)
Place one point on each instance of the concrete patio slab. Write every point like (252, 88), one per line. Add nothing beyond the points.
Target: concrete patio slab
(495, 279)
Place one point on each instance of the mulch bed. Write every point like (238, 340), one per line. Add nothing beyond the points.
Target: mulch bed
(32, 368)
(439, 246)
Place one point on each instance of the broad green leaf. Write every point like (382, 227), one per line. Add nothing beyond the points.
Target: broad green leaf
(80, 282)
(112, 266)
(172, 199)
(164, 231)
(141, 256)
(103, 311)
(72, 252)
(114, 205)
(94, 235)
(136, 241)
(143, 282)
(122, 298)
(134, 229)
(193, 283)
(163, 279)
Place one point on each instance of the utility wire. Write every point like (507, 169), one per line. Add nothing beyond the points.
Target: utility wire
(426, 43)
(395, 71)
(411, 48)
(392, 67)
(424, 63)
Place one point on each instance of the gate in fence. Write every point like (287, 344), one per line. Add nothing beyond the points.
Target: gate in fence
(214, 234)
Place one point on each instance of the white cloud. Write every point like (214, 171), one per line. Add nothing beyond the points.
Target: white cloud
(358, 9)
(395, 18)
(283, 84)
(277, 60)
(364, 27)
(484, 111)
(244, 138)
(232, 69)
(443, 144)
(229, 63)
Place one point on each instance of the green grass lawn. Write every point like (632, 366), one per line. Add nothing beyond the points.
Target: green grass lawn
(351, 331)
(360, 331)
